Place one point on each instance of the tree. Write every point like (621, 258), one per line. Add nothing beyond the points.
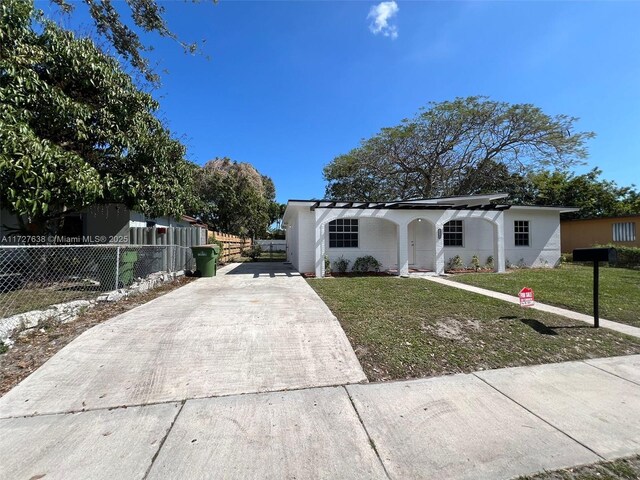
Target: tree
(236, 198)
(75, 130)
(455, 148)
(594, 197)
(146, 15)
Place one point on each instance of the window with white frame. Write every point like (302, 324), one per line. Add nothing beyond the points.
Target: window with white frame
(624, 232)
(521, 233)
(453, 233)
(343, 233)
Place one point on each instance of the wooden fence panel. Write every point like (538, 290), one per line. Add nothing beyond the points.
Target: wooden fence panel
(232, 245)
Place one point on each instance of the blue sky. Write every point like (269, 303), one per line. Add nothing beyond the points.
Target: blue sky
(290, 85)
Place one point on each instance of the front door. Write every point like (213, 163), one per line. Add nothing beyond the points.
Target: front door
(412, 244)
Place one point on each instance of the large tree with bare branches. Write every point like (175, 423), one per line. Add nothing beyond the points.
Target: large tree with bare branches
(456, 147)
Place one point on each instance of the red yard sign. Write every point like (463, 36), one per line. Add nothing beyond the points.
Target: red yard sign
(526, 297)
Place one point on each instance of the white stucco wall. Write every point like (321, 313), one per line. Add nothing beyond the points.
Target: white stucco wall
(292, 237)
(477, 240)
(376, 237)
(544, 238)
(306, 241)
(485, 233)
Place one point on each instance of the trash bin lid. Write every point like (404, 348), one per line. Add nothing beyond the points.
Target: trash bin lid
(205, 248)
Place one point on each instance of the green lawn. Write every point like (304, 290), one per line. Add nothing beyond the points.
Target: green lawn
(571, 286)
(403, 328)
(623, 469)
(20, 301)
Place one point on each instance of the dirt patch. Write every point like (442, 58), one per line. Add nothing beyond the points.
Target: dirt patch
(30, 351)
(452, 328)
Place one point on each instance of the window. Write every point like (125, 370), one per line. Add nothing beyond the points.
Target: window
(343, 233)
(453, 234)
(521, 233)
(624, 232)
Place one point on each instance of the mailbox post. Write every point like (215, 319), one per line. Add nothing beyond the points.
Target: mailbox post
(595, 255)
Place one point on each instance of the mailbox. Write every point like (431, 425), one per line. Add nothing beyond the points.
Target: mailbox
(595, 255)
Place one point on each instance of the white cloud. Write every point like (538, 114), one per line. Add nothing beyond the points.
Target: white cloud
(381, 14)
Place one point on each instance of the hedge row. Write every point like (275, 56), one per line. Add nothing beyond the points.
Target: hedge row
(628, 257)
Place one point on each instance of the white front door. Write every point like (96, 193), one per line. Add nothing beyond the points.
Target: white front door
(412, 243)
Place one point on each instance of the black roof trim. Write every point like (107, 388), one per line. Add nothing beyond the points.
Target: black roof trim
(409, 206)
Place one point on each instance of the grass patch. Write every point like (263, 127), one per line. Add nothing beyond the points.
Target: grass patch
(571, 286)
(623, 469)
(20, 301)
(404, 328)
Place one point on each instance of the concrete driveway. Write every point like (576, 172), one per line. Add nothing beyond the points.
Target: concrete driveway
(253, 328)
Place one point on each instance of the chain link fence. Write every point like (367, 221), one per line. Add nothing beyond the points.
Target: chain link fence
(35, 277)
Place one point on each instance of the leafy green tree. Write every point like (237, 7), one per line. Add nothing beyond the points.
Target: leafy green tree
(75, 130)
(455, 148)
(595, 197)
(237, 198)
(144, 15)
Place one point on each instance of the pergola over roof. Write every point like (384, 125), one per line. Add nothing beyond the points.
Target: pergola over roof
(469, 202)
(406, 206)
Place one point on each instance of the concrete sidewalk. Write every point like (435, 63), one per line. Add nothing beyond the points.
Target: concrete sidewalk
(496, 424)
(611, 325)
(249, 375)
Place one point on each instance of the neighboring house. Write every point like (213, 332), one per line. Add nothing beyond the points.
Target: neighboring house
(422, 234)
(112, 223)
(587, 232)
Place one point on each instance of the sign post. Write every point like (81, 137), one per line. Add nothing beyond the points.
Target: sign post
(595, 255)
(526, 297)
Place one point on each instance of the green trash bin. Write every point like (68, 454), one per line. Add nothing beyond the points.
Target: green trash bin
(127, 262)
(206, 259)
(107, 268)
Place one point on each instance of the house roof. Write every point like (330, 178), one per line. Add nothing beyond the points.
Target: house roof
(196, 222)
(444, 201)
(468, 202)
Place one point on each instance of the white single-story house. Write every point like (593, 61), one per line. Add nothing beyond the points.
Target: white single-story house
(422, 234)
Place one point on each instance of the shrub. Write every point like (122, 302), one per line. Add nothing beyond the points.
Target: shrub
(628, 257)
(475, 262)
(341, 264)
(490, 263)
(366, 264)
(455, 263)
(3, 347)
(221, 245)
(327, 265)
(253, 252)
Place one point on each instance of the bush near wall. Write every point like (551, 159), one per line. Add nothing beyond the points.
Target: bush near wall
(628, 257)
